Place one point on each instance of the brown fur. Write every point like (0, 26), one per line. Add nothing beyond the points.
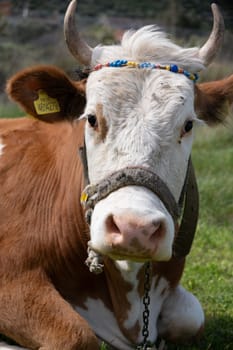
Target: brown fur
(213, 100)
(102, 125)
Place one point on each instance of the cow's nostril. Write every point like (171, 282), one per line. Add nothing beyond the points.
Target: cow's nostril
(111, 225)
(159, 231)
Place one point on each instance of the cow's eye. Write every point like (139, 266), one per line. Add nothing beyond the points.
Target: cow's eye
(92, 120)
(188, 126)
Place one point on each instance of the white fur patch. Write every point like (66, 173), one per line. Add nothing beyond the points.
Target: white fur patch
(1, 151)
(181, 315)
(149, 44)
(157, 297)
(5, 346)
(104, 323)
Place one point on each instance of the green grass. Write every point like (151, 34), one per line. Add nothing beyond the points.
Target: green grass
(209, 268)
(8, 110)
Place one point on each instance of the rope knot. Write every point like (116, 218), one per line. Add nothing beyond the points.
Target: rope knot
(94, 261)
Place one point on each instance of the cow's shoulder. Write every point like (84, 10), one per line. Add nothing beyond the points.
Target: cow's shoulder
(40, 181)
(27, 141)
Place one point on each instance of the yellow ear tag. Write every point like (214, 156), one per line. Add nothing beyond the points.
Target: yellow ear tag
(46, 104)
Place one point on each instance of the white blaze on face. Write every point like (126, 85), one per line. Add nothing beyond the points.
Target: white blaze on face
(144, 113)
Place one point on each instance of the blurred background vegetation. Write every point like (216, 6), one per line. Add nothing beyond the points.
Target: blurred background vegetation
(31, 31)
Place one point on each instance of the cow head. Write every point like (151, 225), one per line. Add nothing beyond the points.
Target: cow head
(140, 118)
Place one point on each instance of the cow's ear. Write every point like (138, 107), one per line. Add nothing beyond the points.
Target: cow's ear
(213, 99)
(46, 93)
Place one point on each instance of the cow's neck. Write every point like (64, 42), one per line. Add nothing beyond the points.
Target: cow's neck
(69, 175)
(126, 286)
(71, 228)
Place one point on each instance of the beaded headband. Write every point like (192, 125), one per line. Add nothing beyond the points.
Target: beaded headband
(148, 65)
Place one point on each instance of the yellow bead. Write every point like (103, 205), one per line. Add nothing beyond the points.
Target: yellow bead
(132, 64)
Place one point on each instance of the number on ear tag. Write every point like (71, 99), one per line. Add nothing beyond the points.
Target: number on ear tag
(46, 104)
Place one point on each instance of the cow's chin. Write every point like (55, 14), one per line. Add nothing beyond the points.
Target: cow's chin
(140, 256)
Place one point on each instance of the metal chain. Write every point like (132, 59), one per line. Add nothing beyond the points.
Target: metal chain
(146, 302)
(146, 345)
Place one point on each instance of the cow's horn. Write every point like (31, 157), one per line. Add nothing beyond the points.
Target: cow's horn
(209, 50)
(77, 46)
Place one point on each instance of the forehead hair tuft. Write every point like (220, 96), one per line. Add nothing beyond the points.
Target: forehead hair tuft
(149, 44)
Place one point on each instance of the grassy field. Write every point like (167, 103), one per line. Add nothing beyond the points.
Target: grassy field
(209, 269)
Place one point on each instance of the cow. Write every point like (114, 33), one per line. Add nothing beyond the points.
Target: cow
(92, 180)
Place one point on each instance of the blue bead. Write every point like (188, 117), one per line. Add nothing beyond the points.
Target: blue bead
(187, 74)
(174, 68)
(123, 62)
